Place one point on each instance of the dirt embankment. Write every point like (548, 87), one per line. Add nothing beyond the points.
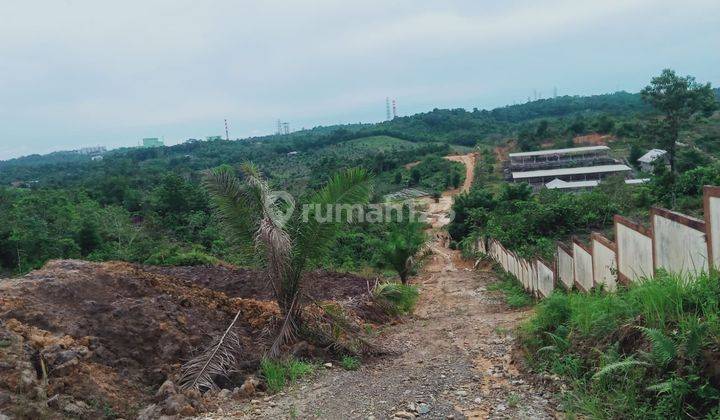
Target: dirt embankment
(80, 339)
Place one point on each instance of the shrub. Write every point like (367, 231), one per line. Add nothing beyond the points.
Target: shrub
(645, 351)
(395, 298)
(177, 257)
(350, 362)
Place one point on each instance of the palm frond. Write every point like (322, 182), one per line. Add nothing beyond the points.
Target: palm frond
(312, 237)
(276, 243)
(201, 371)
(237, 208)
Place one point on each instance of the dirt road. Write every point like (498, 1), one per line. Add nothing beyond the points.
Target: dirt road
(438, 213)
(454, 361)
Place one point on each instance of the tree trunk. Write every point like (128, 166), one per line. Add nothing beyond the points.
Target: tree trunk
(403, 276)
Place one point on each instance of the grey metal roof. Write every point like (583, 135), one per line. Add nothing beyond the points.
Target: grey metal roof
(651, 155)
(559, 184)
(571, 171)
(569, 151)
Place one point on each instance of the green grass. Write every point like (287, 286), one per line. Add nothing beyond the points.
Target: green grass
(647, 351)
(515, 295)
(350, 363)
(396, 298)
(278, 374)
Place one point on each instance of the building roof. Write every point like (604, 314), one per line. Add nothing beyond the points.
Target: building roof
(571, 171)
(650, 156)
(559, 184)
(637, 181)
(569, 151)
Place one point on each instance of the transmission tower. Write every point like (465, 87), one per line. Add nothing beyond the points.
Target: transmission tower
(227, 133)
(394, 108)
(387, 108)
(286, 128)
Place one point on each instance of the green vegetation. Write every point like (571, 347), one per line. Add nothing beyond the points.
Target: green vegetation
(513, 291)
(678, 99)
(395, 298)
(253, 217)
(436, 174)
(278, 374)
(648, 351)
(350, 363)
(529, 224)
(146, 205)
(400, 246)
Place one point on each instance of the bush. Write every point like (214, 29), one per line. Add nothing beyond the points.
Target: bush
(395, 298)
(350, 363)
(177, 257)
(277, 373)
(647, 351)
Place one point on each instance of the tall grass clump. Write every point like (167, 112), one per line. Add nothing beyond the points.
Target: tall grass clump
(278, 374)
(650, 350)
(396, 298)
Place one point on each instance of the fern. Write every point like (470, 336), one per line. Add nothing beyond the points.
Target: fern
(693, 338)
(560, 342)
(662, 387)
(618, 366)
(547, 349)
(664, 350)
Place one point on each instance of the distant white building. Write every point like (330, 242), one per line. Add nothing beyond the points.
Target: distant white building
(559, 184)
(647, 160)
(584, 173)
(98, 157)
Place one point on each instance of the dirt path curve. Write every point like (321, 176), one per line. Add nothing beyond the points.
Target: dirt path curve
(454, 361)
(439, 212)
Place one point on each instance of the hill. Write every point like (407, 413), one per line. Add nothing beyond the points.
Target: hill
(159, 211)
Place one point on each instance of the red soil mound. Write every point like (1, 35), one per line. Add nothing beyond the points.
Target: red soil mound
(97, 338)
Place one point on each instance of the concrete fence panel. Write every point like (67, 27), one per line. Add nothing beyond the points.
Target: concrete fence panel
(711, 197)
(528, 275)
(545, 278)
(583, 267)
(679, 243)
(604, 261)
(565, 266)
(634, 250)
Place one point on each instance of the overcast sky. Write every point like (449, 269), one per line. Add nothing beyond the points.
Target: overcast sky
(79, 73)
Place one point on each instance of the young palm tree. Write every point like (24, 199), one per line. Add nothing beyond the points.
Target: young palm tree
(255, 218)
(402, 243)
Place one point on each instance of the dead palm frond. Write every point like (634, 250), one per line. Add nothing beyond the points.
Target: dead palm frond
(200, 372)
